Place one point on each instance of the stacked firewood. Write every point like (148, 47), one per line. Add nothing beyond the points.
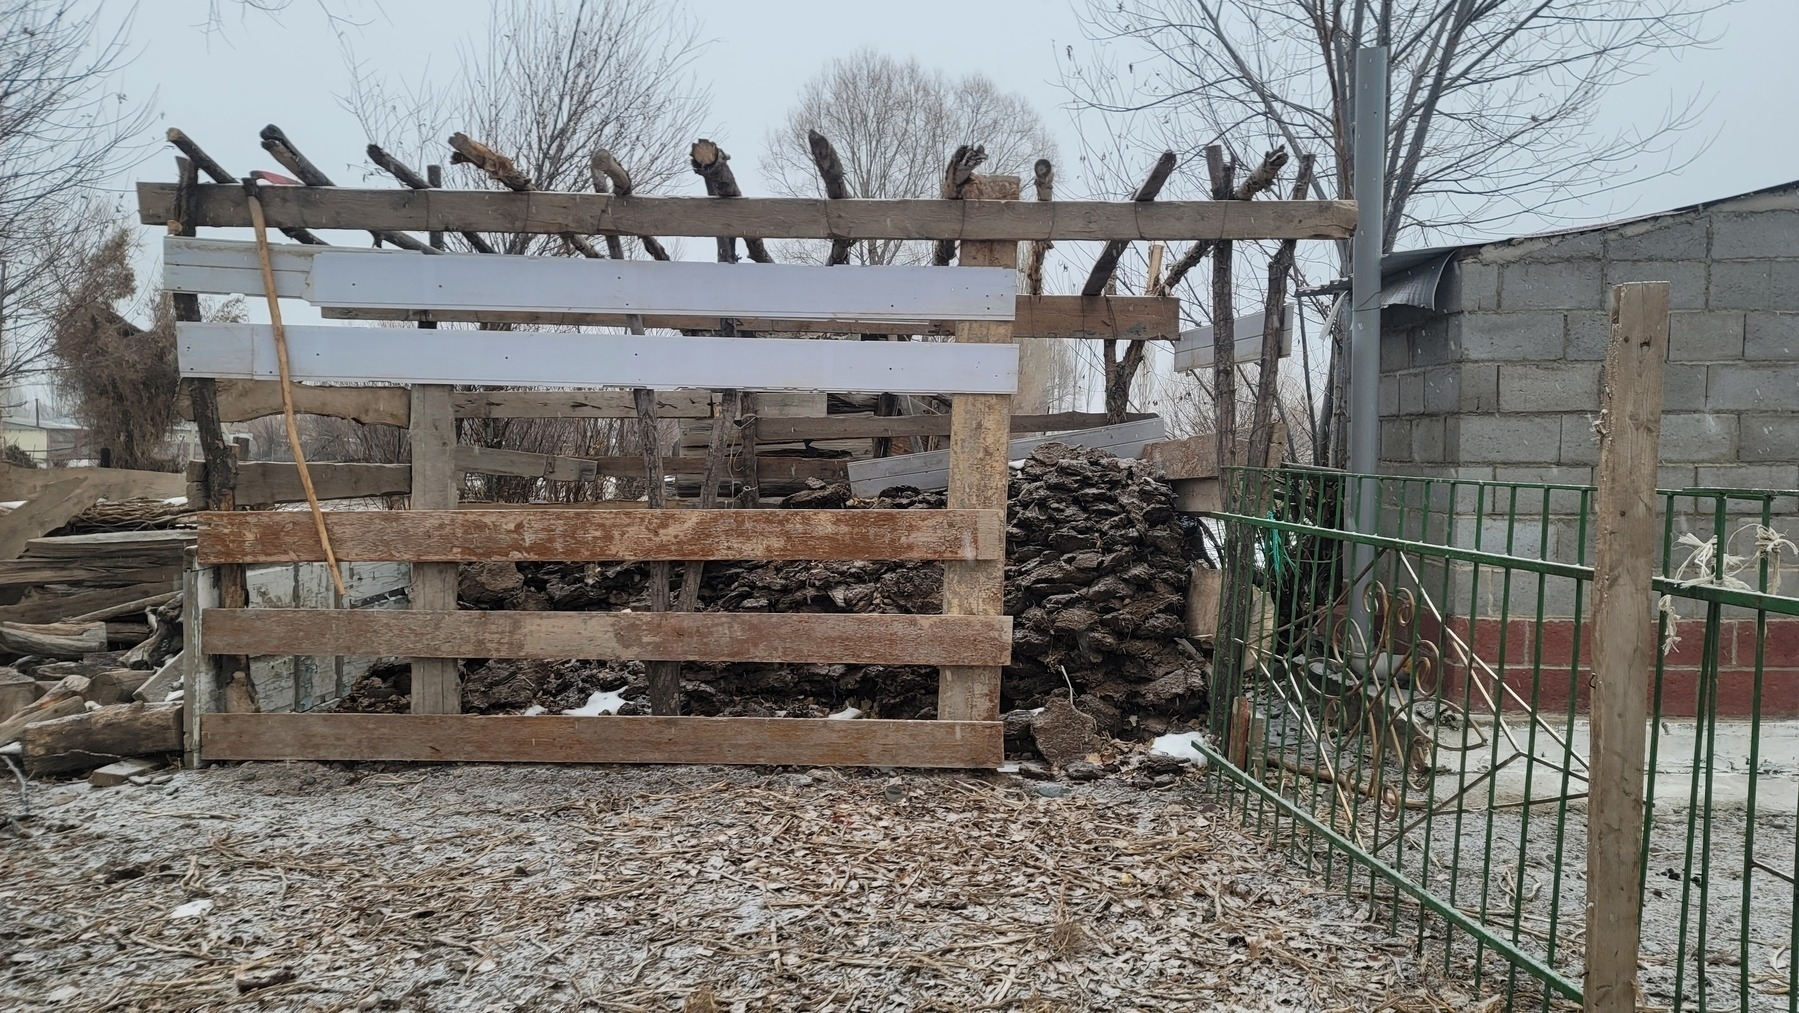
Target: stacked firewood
(1096, 579)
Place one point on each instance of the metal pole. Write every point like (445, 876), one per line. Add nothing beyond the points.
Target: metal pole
(1370, 147)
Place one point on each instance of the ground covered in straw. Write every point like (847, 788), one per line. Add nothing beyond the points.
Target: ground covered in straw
(315, 887)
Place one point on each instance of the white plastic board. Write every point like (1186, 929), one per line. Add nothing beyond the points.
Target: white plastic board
(1194, 349)
(930, 470)
(552, 359)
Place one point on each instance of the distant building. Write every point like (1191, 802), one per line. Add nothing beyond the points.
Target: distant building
(44, 435)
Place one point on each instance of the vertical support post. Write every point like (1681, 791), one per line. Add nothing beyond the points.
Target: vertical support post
(980, 429)
(436, 686)
(1624, 633)
(199, 676)
(1364, 322)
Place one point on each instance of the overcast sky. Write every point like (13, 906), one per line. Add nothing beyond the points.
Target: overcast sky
(222, 85)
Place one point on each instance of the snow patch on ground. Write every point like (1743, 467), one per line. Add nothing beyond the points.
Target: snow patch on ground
(1180, 745)
(601, 702)
(846, 714)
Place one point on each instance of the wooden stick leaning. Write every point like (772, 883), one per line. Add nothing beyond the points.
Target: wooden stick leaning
(287, 395)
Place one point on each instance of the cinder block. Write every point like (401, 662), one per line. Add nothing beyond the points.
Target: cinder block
(1529, 336)
(1427, 440)
(1395, 440)
(1557, 285)
(1547, 474)
(1749, 476)
(1389, 395)
(1442, 390)
(1771, 336)
(1395, 350)
(1580, 443)
(1438, 341)
(1411, 393)
(1751, 387)
(1677, 238)
(1587, 333)
(1698, 437)
(1474, 285)
(1685, 278)
(1705, 337)
(1683, 387)
(1479, 388)
(1508, 439)
(1755, 285)
(1554, 387)
(1768, 437)
(1675, 476)
(1755, 235)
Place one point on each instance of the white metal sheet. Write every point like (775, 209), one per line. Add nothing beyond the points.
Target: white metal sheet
(931, 470)
(552, 359)
(1194, 349)
(366, 279)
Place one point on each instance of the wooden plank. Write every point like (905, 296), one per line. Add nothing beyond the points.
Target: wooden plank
(436, 682)
(583, 404)
(354, 209)
(615, 636)
(1139, 318)
(558, 739)
(527, 465)
(43, 608)
(977, 476)
(863, 426)
(468, 536)
(932, 470)
(1193, 457)
(1624, 637)
(1197, 495)
(261, 483)
(120, 483)
(53, 506)
(471, 281)
(248, 400)
(541, 358)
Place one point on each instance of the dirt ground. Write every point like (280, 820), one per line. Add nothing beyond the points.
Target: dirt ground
(311, 887)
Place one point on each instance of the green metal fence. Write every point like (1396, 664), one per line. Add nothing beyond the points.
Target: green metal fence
(1431, 757)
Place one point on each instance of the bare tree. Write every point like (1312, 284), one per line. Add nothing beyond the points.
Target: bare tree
(548, 84)
(893, 123)
(1493, 103)
(63, 131)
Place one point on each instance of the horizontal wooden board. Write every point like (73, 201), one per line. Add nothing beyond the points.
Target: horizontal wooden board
(850, 427)
(576, 404)
(248, 400)
(522, 464)
(1145, 318)
(1192, 457)
(931, 470)
(461, 738)
(615, 636)
(263, 483)
(1194, 349)
(225, 206)
(468, 536)
(18, 483)
(538, 358)
(473, 281)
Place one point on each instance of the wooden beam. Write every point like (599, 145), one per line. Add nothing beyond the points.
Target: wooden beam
(557, 739)
(936, 469)
(118, 483)
(978, 477)
(246, 400)
(494, 461)
(469, 536)
(1192, 457)
(856, 427)
(1624, 637)
(527, 358)
(1124, 318)
(265, 484)
(615, 636)
(482, 461)
(582, 404)
(767, 217)
(436, 680)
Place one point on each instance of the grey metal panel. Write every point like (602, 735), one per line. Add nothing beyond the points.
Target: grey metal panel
(931, 470)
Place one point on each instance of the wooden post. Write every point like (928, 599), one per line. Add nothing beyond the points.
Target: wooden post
(199, 677)
(980, 427)
(436, 686)
(1624, 631)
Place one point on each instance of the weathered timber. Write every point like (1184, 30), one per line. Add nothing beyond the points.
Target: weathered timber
(463, 536)
(586, 404)
(53, 640)
(119, 483)
(246, 400)
(1192, 457)
(401, 171)
(164, 680)
(17, 692)
(711, 163)
(980, 426)
(767, 217)
(1044, 172)
(830, 170)
(557, 739)
(99, 737)
(263, 483)
(501, 169)
(493, 461)
(1135, 318)
(122, 771)
(436, 683)
(179, 222)
(276, 143)
(856, 427)
(607, 167)
(48, 509)
(672, 636)
(956, 177)
(1280, 270)
(527, 465)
